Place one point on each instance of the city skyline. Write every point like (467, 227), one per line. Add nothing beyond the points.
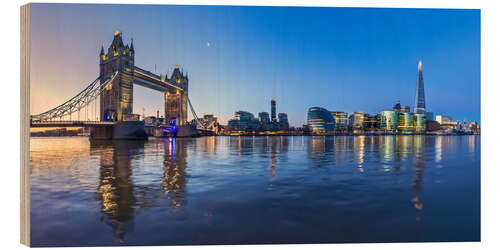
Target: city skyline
(232, 51)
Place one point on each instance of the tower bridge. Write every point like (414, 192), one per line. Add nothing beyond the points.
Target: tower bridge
(114, 88)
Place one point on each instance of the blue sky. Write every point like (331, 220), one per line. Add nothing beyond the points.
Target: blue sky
(238, 58)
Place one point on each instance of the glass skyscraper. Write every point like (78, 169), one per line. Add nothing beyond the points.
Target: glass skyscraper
(341, 120)
(406, 121)
(419, 106)
(388, 120)
(420, 123)
(320, 120)
(273, 110)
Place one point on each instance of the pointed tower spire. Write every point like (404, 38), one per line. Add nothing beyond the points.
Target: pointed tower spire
(102, 49)
(132, 44)
(419, 105)
(117, 40)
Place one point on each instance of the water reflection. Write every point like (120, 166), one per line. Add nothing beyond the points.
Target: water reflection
(116, 189)
(419, 169)
(174, 171)
(359, 151)
(117, 193)
(387, 150)
(321, 186)
(393, 153)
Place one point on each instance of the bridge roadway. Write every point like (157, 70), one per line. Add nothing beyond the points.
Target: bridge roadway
(150, 80)
(46, 124)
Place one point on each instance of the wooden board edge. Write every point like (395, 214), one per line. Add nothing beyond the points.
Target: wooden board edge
(25, 132)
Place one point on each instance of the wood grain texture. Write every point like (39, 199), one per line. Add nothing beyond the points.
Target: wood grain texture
(25, 113)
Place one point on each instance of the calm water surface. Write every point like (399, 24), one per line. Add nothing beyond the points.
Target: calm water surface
(244, 190)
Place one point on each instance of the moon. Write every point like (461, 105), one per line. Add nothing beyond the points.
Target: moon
(208, 44)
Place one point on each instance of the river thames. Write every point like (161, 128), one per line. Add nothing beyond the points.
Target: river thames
(246, 190)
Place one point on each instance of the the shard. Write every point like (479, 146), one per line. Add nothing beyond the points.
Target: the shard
(419, 106)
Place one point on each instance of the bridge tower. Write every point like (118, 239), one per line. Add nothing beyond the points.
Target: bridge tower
(176, 100)
(116, 100)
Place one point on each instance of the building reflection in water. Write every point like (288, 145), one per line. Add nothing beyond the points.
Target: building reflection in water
(340, 149)
(387, 149)
(359, 151)
(119, 196)
(207, 144)
(393, 152)
(174, 171)
(116, 190)
(272, 172)
(419, 158)
(279, 146)
(439, 150)
(242, 145)
(319, 148)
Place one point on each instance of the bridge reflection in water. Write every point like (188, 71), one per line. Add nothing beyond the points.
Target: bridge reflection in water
(214, 190)
(117, 193)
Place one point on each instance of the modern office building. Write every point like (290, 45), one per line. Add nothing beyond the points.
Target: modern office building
(283, 122)
(388, 120)
(370, 122)
(406, 122)
(320, 120)
(356, 121)
(341, 120)
(419, 105)
(420, 123)
(243, 121)
(273, 110)
(264, 117)
(442, 119)
(243, 115)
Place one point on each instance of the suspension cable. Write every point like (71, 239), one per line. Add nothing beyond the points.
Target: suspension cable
(76, 103)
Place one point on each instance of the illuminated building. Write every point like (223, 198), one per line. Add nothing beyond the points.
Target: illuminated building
(419, 106)
(116, 100)
(273, 110)
(243, 121)
(406, 122)
(388, 120)
(442, 119)
(474, 127)
(320, 120)
(341, 120)
(175, 100)
(356, 121)
(420, 123)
